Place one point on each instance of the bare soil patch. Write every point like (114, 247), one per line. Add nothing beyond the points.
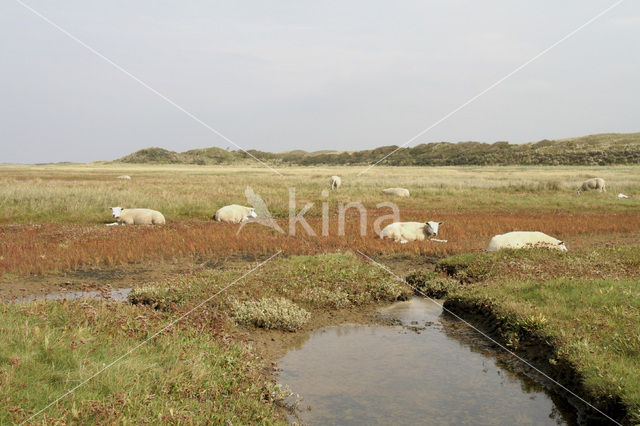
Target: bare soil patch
(119, 276)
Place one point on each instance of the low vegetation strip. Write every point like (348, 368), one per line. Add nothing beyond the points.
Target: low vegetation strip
(585, 305)
(197, 372)
(310, 282)
(601, 149)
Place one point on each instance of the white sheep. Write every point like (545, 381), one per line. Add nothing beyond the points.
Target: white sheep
(398, 192)
(234, 214)
(593, 183)
(404, 232)
(124, 177)
(524, 239)
(136, 216)
(335, 182)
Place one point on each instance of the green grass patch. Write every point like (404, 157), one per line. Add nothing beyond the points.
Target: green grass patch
(585, 304)
(605, 262)
(431, 285)
(314, 282)
(159, 297)
(182, 376)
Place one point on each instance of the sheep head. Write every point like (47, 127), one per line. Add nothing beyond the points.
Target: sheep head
(431, 228)
(115, 211)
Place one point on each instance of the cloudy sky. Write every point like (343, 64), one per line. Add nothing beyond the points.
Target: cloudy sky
(307, 75)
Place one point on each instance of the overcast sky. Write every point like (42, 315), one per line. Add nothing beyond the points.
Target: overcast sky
(277, 76)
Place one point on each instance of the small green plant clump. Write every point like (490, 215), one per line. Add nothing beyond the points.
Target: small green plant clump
(276, 313)
(158, 297)
(337, 280)
(430, 285)
(467, 267)
(323, 298)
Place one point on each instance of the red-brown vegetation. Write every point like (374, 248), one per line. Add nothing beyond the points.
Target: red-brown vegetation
(40, 248)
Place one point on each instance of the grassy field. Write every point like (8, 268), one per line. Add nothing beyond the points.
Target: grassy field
(52, 217)
(52, 223)
(83, 193)
(585, 304)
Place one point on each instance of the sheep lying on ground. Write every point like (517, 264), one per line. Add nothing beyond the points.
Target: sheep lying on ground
(398, 192)
(335, 182)
(234, 214)
(136, 216)
(593, 183)
(124, 177)
(404, 232)
(524, 239)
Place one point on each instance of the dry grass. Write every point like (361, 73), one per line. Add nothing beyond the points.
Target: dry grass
(83, 193)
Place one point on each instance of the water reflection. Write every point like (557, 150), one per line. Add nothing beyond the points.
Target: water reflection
(429, 371)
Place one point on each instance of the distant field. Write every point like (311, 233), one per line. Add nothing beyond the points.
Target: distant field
(52, 217)
(83, 193)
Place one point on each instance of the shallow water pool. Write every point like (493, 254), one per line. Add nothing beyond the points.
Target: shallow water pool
(432, 369)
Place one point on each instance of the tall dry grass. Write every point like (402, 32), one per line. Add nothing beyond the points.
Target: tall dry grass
(83, 193)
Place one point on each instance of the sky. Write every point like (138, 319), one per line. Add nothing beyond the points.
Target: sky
(278, 76)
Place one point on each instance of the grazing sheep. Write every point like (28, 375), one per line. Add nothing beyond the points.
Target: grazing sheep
(398, 192)
(593, 183)
(524, 239)
(136, 216)
(621, 195)
(124, 177)
(234, 214)
(404, 232)
(335, 182)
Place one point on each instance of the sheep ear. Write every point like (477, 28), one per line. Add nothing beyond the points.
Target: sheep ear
(440, 223)
(561, 243)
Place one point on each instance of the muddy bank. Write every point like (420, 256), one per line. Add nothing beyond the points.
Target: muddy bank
(543, 356)
(116, 277)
